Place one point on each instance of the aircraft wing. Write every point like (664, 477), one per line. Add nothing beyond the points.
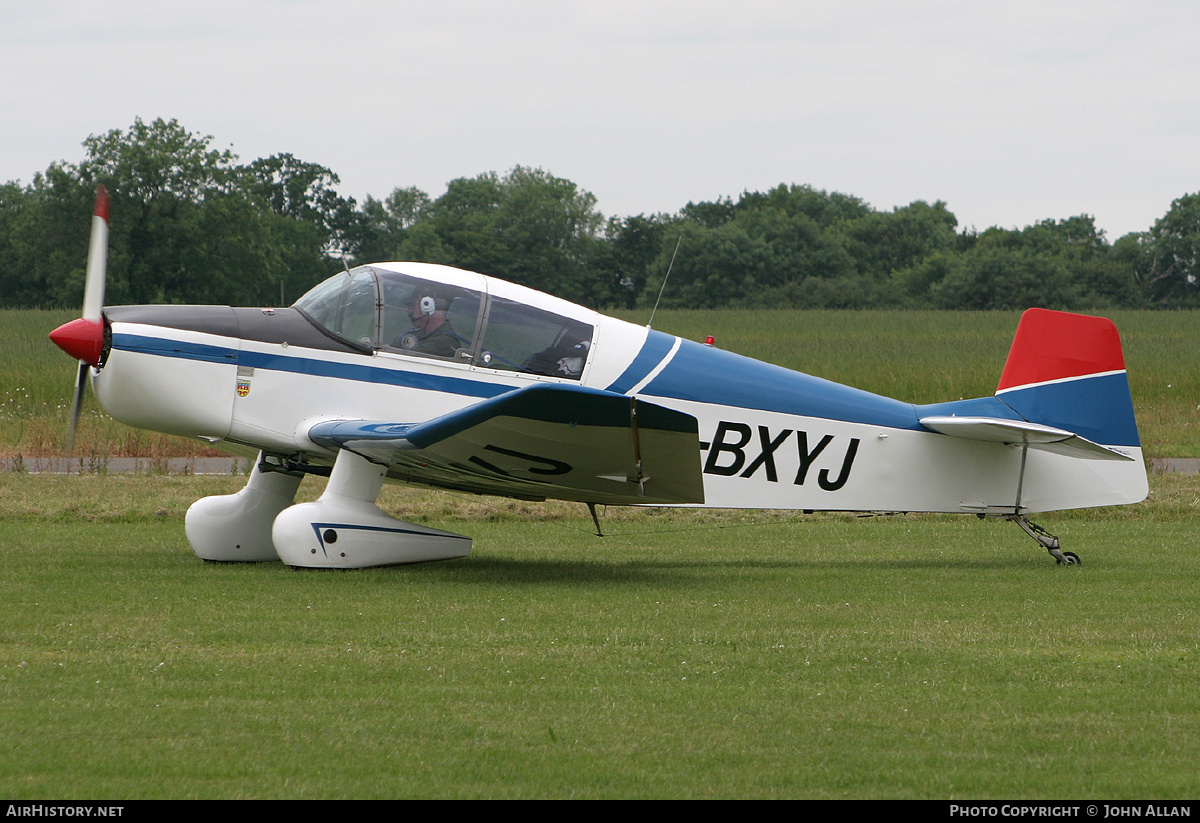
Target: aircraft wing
(1017, 432)
(539, 442)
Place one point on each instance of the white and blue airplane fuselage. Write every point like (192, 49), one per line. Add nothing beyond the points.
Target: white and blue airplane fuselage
(428, 374)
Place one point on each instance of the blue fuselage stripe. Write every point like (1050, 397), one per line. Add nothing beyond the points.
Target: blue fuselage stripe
(706, 375)
(656, 347)
(165, 347)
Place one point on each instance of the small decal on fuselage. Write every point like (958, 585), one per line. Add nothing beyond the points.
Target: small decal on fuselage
(244, 373)
(732, 452)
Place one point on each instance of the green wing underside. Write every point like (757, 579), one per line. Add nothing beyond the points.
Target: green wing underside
(541, 442)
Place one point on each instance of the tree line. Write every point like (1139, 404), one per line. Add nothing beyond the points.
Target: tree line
(194, 224)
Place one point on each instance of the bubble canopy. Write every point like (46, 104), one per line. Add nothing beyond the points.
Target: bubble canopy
(448, 314)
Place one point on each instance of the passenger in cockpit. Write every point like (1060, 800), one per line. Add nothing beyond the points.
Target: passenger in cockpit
(564, 360)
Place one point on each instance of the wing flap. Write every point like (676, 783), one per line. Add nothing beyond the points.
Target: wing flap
(1021, 432)
(543, 441)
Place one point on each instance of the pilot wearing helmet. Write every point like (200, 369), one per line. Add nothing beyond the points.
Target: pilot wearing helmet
(431, 332)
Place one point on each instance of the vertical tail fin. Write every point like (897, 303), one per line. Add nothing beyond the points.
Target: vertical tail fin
(1068, 371)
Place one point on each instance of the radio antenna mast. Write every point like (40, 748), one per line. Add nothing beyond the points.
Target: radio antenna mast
(661, 288)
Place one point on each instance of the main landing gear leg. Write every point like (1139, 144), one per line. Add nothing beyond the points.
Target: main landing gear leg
(236, 528)
(344, 529)
(1046, 540)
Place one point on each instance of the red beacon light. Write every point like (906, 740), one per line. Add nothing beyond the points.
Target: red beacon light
(709, 341)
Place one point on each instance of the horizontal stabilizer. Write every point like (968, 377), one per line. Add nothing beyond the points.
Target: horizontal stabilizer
(1020, 432)
(546, 441)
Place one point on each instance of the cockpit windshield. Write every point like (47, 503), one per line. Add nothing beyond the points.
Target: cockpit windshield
(345, 305)
(391, 311)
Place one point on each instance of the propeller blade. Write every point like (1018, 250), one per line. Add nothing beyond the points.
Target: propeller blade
(97, 264)
(76, 405)
(83, 339)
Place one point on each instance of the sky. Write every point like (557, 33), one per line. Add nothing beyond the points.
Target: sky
(1010, 112)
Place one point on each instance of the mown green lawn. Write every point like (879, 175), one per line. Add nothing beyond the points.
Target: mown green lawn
(687, 654)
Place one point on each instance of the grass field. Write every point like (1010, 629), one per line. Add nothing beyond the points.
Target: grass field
(684, 655)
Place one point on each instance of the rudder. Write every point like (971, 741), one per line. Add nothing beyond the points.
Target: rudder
(1068, 371)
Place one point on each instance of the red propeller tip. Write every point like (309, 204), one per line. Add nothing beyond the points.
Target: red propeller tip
(101, 208)
(82, 339)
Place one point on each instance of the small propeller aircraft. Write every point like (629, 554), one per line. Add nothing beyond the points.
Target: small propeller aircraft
(431, 375)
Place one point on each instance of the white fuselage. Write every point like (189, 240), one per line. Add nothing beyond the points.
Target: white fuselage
(769, 438)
